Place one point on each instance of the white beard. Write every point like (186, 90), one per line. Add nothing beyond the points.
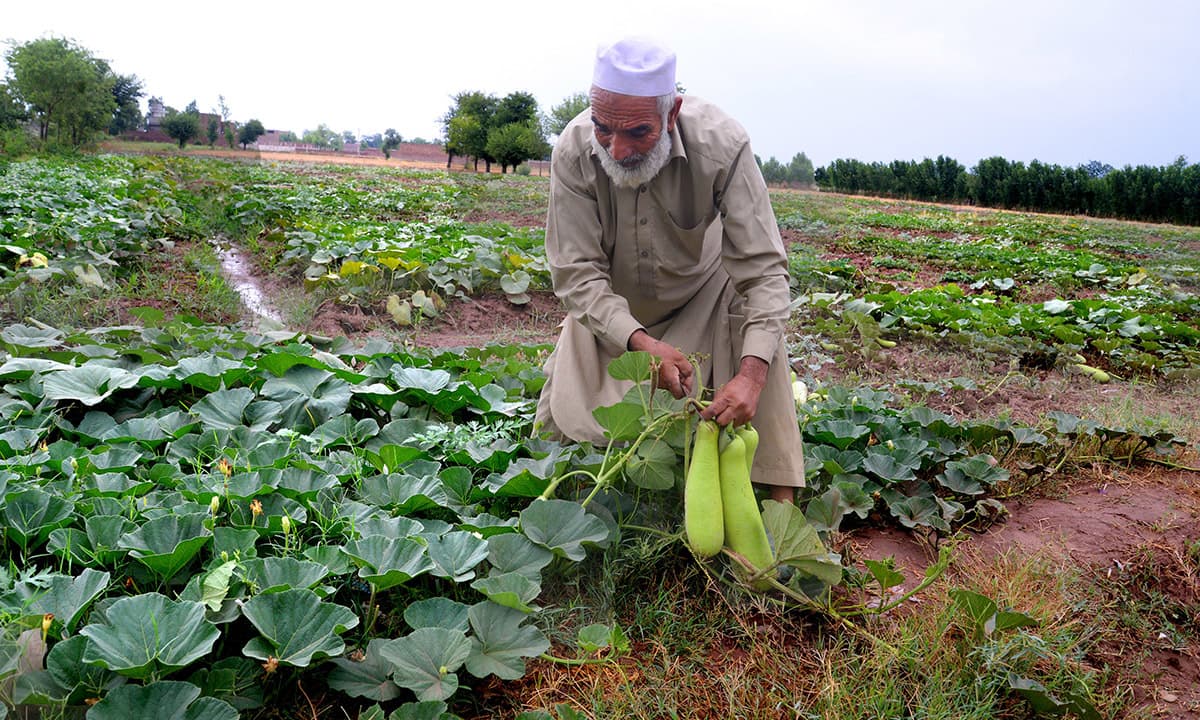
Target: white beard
(646, 168)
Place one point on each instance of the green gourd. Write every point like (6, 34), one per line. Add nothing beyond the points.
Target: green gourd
(703, 521)
(745, 533)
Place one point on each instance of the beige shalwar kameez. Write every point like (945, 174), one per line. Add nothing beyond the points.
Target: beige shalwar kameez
(694, 257)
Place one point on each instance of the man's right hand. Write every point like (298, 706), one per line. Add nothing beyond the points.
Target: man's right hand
(673, 371)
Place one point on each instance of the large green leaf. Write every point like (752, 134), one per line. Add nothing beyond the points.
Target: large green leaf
(307, 396)
(513, 552)
(563, 527)
(437, 612)
(369, 677)
(31, 515)
(296, 627)
(273, 574)
(501, 643)
(797, 543)
(425, 661)
(633, 365)
(236, 680)
(149, 634)
(653, 466)
(89, 383)
(512, 589)
(223, 409)
(163, 700)
(387, 561)
(166, 544)
(456, 554)
(63, 596)
(210, 372)
(66, 665)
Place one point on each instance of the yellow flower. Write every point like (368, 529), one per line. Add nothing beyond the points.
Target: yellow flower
(256, 507)
(225, 468)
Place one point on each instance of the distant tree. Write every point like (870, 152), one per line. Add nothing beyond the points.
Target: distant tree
(516, 107)
(250, 132)
(288, 136)
(65, 88)
(1097, 169)
(800, 170)
(214, 130)
(466, 125)
(391, 141)
(773, 171)
(182, 126)
(12, 112)
(514, 143)
(127, 95)
(230, 136)
(565, 112)
(348, 137)
(323, 137)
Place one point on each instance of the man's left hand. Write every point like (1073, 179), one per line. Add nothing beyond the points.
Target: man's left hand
(736, 401)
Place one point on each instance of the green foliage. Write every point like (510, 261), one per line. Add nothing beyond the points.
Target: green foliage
(250, 132)
(482, 127)
(182, 127)
(1157, 194)
(69, 92)
(565, 112)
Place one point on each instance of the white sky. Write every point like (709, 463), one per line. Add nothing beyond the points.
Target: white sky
(1061, 81)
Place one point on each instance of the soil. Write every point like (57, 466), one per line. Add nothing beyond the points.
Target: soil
(1110, 522)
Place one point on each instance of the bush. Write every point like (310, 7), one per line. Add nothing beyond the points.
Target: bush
(15, 143)
(522, 169)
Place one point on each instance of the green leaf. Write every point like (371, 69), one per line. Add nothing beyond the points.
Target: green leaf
(163, 700)
(425, 661)
(223, 409)
(501, 643)
(597, 637)
(622, 421)
(427, 710)
(31, 515)
(149, 634)
(884, 572)
(215, 585)
(563, 527)
(63, 596)
(634, 366)
(65, 664)
(89, 383)
(236, 680)
(273, 574)
(369, 677)
(512, 590)
(456, 554)
(307, 396)
(296, 627)
(513, 552)
(797, 543)
(437, 612)
(653, 466)
(825, 512)
(386, 562)
(167, 544)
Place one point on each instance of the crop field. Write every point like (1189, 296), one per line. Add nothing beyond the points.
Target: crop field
(342, 509)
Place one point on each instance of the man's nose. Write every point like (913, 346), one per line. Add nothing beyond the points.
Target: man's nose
(620, 149)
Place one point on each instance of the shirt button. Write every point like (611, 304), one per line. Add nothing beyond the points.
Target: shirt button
(642, 189)
(645, 253)
(643, 221)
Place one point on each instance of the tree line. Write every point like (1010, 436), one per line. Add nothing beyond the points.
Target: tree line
(1153, 194)
(506, 131)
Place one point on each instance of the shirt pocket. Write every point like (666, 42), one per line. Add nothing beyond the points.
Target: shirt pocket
(683, 249)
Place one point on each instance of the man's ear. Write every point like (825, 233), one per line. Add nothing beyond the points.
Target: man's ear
(674, 113)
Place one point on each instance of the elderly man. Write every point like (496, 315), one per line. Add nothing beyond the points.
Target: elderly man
(661, 237)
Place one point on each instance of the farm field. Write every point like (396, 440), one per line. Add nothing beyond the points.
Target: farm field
(333, 502)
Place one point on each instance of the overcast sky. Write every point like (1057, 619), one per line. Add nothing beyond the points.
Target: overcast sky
(1061, 81)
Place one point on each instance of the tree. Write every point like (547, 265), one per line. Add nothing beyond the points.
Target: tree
(182, 126)
(466, 125)
(12, 111)
(515, 143)
(391, 141)
(565, 112)
(214, 130)
(250, 132)
(65, 88)
(322, 137)
(127, 95)
(289, 137)
(348, 137)
(800, 170)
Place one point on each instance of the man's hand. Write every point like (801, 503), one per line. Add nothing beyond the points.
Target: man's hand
(673, 371)
(736, 401)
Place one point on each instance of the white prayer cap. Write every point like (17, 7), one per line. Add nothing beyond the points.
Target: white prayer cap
(635, 66)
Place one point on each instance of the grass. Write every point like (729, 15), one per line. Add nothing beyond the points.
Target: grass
(702, 651)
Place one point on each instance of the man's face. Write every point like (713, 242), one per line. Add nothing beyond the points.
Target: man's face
(626, 126)
(632, 137)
